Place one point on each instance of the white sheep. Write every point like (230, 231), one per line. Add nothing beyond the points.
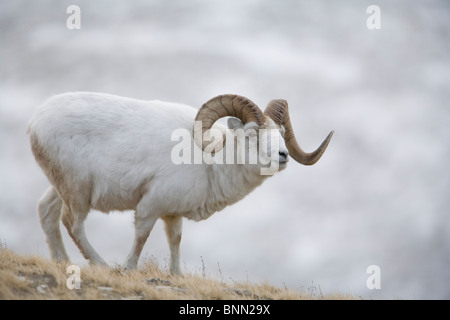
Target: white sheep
(106, 152)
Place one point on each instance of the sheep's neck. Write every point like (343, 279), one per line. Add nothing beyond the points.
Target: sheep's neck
(229, 184)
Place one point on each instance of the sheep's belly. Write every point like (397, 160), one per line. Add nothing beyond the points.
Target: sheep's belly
(108, 203)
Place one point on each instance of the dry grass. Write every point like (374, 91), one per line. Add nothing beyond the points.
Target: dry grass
(34, 277)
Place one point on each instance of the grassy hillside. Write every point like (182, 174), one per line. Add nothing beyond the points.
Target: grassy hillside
(34, 277)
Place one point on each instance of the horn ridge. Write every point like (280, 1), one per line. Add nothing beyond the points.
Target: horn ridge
(278, 111)
(227, 105)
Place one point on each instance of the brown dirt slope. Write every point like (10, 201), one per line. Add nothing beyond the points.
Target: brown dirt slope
(34, 277)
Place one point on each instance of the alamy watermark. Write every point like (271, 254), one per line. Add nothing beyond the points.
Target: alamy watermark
(74, 278)
(73, 22)
(234, 146)
(373, 22)
(374, 280)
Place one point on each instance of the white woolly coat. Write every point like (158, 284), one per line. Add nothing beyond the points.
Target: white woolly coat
(115, 154)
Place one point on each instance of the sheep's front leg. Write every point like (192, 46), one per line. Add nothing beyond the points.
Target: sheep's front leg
(174, 226)
(143, 226)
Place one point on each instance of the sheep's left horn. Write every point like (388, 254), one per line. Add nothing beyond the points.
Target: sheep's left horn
(278, 111)
(227, 105)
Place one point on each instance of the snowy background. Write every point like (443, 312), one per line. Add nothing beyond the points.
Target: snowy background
(380, 194)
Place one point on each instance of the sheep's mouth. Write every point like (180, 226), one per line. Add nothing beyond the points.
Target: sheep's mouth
(283, 159)
(283, 163)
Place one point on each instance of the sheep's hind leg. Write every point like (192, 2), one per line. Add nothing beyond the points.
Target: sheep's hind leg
(49, 210)
(74, 223)
(174, 227)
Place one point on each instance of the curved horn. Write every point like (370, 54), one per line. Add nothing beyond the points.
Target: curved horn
(223, 106)
(279, 112)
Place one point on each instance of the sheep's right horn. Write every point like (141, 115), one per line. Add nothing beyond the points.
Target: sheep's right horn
(227, 105)
(278, 111)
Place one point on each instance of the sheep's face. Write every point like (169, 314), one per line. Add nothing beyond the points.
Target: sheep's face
(272, 131)
(261, 147)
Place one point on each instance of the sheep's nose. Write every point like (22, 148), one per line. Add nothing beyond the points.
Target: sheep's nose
(283, 156)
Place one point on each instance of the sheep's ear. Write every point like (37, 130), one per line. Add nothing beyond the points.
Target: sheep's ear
(251, 125)
(234, 123)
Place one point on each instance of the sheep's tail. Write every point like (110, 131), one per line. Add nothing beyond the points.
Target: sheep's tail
(29, 126)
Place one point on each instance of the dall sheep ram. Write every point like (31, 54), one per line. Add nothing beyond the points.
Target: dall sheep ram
(106, 152)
